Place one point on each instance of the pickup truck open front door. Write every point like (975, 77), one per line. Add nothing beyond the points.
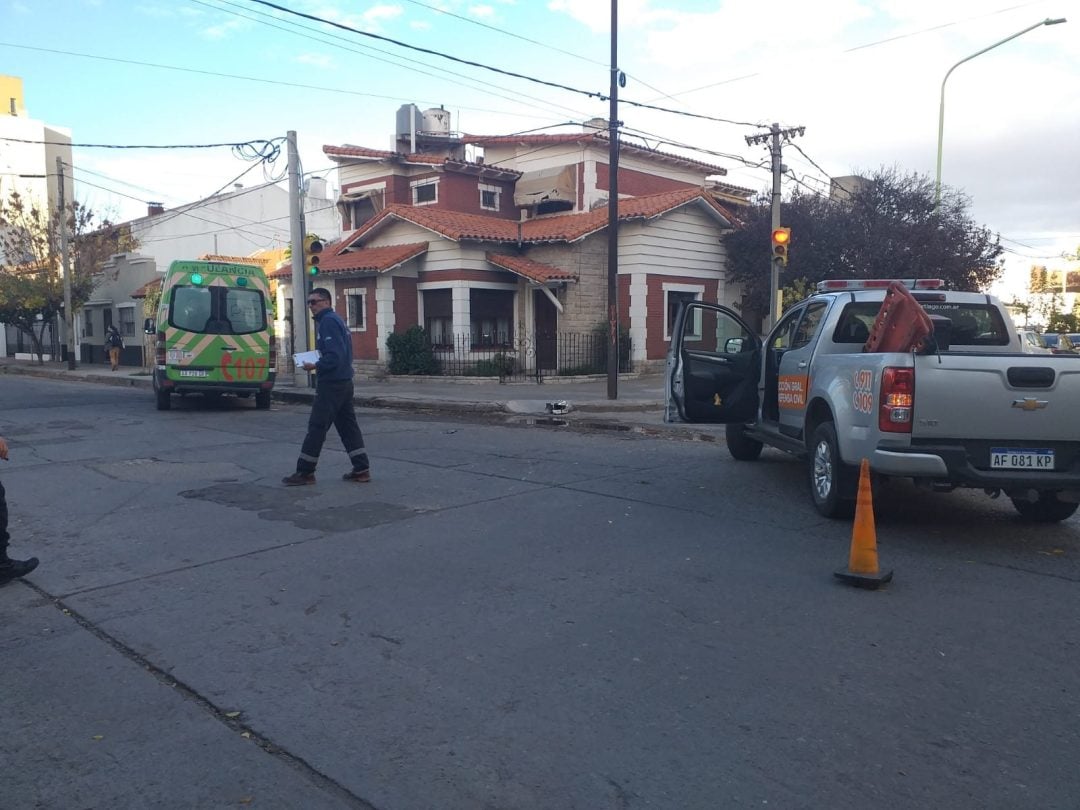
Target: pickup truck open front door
(713, 366)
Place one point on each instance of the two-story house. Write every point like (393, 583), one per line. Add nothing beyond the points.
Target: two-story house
(509, 249)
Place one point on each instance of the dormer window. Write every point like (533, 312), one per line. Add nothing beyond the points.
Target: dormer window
(489, 197)
(425, 192)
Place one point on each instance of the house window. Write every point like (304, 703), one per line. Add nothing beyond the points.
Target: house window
(489, 197)
(674, 296)
(438, 317)
(355, 307)
(492, 315)
(127, 321)
(425, 192)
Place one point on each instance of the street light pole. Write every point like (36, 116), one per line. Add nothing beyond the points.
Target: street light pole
(941, 107)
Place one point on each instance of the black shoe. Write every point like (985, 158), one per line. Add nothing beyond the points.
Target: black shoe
(298, 479)
(13, 569)
(359, 476)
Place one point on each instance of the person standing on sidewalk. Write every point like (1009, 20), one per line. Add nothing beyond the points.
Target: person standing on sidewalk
(113, 344)
(333, 396)
(9, 569)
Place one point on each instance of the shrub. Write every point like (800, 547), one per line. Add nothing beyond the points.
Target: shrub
(410, 352)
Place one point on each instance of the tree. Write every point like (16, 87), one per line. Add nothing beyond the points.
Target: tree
(886, 228)
(31, 280)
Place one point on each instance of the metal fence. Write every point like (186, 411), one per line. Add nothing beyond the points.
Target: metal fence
(562, 354)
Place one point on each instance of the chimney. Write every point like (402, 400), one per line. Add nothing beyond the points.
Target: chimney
(154, 208)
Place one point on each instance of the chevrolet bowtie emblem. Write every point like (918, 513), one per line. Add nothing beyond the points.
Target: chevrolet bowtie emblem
(1030, 403)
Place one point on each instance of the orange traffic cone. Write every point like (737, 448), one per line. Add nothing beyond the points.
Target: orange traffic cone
(862, 569)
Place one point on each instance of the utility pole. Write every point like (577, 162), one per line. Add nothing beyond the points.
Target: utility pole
(774, 137)
(613, 212)
(69, 314)
(299, 283)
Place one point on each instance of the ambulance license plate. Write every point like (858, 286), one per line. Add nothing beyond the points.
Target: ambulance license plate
(194, 372)
(1015, 458)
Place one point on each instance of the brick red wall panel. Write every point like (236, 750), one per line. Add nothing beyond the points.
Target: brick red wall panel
(469, 275)
(656, 345)
(638, 184)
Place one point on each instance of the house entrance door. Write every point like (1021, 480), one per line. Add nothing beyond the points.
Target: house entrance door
(546, 321)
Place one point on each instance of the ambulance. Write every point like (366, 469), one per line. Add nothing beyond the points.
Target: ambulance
(214, 333)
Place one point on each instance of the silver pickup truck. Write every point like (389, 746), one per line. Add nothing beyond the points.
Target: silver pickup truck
(969, 410)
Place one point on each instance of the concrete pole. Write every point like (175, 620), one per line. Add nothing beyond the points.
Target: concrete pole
(299, 282)
(613, 214)
(775, 299)
(69, 314)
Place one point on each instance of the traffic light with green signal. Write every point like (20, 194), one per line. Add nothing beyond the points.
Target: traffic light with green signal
(781, 239)
(313, 246)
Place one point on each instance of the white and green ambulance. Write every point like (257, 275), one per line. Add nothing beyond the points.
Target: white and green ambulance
(214, 333)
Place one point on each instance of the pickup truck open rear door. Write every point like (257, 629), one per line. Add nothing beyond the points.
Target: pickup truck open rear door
(713, 367)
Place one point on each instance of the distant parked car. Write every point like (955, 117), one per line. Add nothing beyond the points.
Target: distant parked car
(1061, 343)
(1032, 343)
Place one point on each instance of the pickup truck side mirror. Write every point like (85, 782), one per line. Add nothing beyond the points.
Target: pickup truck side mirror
(148, 326)
(734, 345)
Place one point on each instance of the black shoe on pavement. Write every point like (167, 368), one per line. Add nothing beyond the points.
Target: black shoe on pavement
(359, 476)
(13, 569)
(298, 479)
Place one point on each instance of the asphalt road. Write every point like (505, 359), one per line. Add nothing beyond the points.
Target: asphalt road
(506, 618)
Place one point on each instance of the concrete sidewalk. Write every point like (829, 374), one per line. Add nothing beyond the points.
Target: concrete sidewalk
(640, 402)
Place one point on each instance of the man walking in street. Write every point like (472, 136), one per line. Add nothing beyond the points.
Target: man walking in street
(9, 569)
(114, 343)
(333, 396)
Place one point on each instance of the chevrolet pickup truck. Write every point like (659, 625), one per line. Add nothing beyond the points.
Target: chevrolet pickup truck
(967, 409)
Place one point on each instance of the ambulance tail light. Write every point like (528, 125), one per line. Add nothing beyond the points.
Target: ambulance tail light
(273, 357)
(159, 350)
(897, 400)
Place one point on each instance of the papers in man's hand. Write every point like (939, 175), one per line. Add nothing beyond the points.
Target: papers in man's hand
(305, 357)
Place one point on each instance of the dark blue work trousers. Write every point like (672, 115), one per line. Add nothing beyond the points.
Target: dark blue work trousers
(333, 406)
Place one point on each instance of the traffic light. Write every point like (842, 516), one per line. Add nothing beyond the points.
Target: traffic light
(312, 248)
(781, 238)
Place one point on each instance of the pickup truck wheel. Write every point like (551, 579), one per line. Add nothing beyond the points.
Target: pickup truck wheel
(741, 446)
(1048, 509)
(832, 483)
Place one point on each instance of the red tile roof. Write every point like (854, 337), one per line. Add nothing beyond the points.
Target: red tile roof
(146, 288)
(534, 271)
(365, 260)
(420, 158)
(562, 228)
(591, 138)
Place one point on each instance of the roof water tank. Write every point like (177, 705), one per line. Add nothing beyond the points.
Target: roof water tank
(409, 120)
(436, 121)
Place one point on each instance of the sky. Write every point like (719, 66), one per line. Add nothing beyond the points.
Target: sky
(864, 77)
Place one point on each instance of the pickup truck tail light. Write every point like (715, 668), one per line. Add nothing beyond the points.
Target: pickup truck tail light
(897, 400)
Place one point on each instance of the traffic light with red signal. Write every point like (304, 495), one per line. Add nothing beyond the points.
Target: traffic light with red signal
(781, 239)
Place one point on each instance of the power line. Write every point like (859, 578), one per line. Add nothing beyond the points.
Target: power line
(558, 86)
(294, 29)
(250, 150)
(866, 45)
(428, 51)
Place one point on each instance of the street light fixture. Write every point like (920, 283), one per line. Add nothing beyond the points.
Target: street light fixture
(941, 109)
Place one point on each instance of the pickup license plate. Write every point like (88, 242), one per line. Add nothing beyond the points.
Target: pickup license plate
(1015, 458)
(194, 372)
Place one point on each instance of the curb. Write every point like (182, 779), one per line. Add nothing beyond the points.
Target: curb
(577, 417)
